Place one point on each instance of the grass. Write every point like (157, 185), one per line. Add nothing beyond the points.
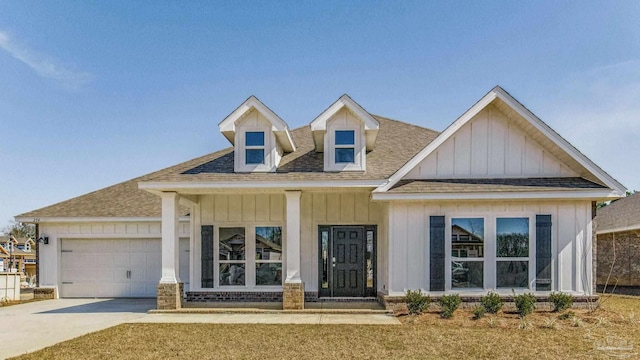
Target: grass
(419, 337)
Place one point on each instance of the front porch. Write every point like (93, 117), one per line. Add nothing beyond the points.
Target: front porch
(271, 246)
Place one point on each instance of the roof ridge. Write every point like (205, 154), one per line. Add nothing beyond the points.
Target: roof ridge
(405, 123)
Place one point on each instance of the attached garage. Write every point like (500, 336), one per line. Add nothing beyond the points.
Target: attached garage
(114, 267)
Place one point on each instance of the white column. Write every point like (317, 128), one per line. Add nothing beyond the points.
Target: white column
(293, 236)
(170, 244)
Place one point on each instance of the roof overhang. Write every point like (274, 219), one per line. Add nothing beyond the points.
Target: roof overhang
(592, 195)
(103, 219)
(319, 124)
(278, 126)
(209, 187)
(499, 95)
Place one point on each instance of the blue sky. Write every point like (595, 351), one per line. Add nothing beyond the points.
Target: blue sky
(94, 93)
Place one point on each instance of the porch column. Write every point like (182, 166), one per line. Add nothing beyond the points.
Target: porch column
(170, 287)
(293, 287)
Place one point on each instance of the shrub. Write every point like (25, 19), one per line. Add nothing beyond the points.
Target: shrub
(566, 316)
(449, 305)
(416, 301)
(478, 312)
(491, 302)
(525, 303)
(560, 301)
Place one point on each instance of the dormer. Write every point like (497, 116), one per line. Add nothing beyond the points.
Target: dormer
(345, 132)
(259, 136)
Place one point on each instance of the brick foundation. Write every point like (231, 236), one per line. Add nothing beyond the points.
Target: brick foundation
(293, 296)
(170, 296)
(243, 296)
(44, 293)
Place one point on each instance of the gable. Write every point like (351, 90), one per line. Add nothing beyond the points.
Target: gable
(531, 125)
(490, 145)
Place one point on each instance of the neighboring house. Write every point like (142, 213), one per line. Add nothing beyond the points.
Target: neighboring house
(351, 206)
(618, 246)
(19, 253)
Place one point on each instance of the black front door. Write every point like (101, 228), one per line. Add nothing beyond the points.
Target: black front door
(348, 262)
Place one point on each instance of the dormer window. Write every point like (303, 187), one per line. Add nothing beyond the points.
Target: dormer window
(345, 147)
(344, 133)
(254, 147)
(260, 138)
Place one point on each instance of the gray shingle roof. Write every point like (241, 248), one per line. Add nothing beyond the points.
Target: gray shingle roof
(397, 142)
(623, 213)
(491, 185)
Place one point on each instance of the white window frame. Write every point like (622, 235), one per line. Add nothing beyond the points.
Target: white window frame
(530, 259)
(449, 259)
(256, 147)
(262, 261)
(240, 148)
(249, 261)
(359, 151)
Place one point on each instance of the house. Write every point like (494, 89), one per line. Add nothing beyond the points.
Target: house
(351, 206)
(618, 246)
(19, 254)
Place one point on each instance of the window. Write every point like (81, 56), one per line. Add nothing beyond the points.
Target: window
(254, 147)
(512, 252)
(268, 255)
(232, 256)
(345, 147)
(467, 253)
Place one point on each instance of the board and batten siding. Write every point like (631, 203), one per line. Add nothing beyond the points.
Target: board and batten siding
(316, 207)
(409, 239)
(489, 145)
(50, 253)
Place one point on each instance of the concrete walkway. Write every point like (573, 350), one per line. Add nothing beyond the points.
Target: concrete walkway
(36, 325)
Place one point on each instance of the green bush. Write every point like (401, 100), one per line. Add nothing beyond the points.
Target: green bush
(416, 301)
(561, 301)
(566, 316)
(492, 303)
(449, 305)
(525, 304)
(478, 312)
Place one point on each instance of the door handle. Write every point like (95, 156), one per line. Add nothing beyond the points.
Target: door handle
(333, 263)
(128, 274)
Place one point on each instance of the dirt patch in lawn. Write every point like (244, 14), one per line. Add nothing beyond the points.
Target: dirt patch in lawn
(613, 329)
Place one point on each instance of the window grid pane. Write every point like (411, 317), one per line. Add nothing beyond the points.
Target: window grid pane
(254, 156)
(345, 155)
(254, 138)
(512, 237)
(345, 137)
(512, 274)
(231, 244)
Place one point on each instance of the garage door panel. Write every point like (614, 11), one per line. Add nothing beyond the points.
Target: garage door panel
(101, 267)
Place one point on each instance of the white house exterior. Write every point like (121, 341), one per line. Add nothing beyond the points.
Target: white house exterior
(351, 206)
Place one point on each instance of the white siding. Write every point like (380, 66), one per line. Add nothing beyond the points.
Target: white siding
(317, 208)
(409, 239)
(489, 145)
(50, 255)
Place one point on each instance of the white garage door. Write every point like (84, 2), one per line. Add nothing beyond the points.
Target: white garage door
(110, 267)
(114, 267)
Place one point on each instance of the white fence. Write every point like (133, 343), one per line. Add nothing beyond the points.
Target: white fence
(9, 286)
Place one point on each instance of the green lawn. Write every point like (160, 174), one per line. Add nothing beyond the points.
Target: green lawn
(615, 325)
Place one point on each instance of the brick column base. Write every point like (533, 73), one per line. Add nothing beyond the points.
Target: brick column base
(170, 296)
(40, 293)
(293, 296)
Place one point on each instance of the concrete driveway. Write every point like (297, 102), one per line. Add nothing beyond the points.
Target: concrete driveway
(36, 325)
